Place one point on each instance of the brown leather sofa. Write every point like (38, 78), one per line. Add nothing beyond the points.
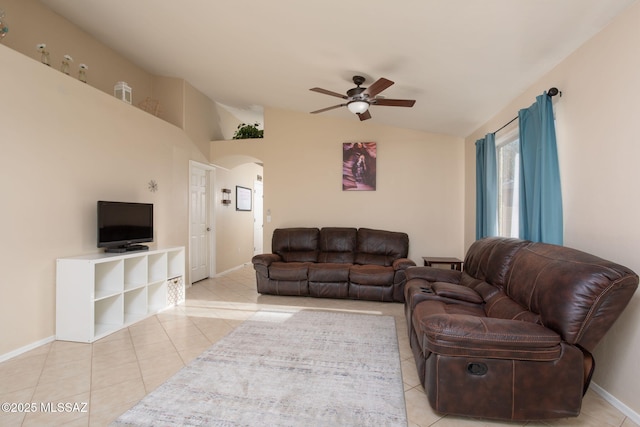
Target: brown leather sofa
(511, 336)
(335, 262)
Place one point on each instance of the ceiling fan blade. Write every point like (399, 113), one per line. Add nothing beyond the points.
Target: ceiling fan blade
(364, 116)
(378, 86)
(328, 92)
(395, 102)
(328, 108)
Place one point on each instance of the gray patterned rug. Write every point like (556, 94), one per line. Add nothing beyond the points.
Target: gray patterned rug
(307, 368)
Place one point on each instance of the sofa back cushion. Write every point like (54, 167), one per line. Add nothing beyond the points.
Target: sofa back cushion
(337, 244)
(489, 259)
(576, 294)
(379, 247)
(296, 244)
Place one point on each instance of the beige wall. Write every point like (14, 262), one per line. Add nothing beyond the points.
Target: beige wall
(169, 91)
(237, 162)
(180, 103)
(232, 153)
(83, 145)
(228, 123)
(30, 23)
(419, 181)
(66, 145)
(598, 147)
(234, 229)
(200, 118)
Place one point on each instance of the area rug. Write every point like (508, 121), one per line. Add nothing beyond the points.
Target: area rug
(306, 368)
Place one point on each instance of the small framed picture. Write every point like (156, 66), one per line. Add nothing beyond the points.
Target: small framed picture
(243, 198)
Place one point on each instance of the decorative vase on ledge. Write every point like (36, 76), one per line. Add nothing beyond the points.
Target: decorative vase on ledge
(66, 62)
(4, 28)
(82, 73)
(44, 55)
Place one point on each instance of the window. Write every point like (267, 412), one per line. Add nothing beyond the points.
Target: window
(508, 157)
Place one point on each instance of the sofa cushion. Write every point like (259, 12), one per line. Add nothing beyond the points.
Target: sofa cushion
(380, 247)
(288, 271)
(489, 259)
(424, 309)
(337, 244)
(372, 275)
(329, 272)
(296, 244)
(499, 305)
(329, 289)
(576, 294)
(474, 336)
(455, 292)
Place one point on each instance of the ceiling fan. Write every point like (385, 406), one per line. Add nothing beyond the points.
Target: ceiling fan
(359, 99)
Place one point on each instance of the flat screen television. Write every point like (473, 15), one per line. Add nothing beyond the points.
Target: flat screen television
(122, 225)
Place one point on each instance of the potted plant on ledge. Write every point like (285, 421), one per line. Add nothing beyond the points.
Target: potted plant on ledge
(245, 131)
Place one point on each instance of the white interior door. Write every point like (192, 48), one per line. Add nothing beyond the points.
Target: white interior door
(199, 242)
(258, 223)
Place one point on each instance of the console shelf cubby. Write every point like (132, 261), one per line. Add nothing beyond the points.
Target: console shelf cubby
(99, 294)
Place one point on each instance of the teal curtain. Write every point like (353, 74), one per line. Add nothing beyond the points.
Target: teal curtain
(486, 187)
(540, 193)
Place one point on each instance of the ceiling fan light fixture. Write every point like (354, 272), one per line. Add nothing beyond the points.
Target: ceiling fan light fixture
(359, 99)
(358, 107)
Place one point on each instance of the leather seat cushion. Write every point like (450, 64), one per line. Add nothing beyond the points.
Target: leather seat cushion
(373, 275)
(460, 330)
(329, 272)
(428, 308)
(288, 271)
(502, 307)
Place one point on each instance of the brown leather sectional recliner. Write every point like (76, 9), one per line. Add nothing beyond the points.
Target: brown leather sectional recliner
(335, 262)
(511, 336)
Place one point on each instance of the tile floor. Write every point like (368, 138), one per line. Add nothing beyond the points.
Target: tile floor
(100, 381)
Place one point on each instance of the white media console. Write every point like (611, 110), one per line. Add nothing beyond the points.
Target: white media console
(99, 294)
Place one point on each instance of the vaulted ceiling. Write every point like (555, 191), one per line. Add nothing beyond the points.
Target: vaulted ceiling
(461, 60)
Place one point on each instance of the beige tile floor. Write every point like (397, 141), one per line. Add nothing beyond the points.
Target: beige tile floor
(100, 381)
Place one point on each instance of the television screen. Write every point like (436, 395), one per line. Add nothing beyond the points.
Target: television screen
(121, 224)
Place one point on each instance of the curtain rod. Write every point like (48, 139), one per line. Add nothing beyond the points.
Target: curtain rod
(550, 93)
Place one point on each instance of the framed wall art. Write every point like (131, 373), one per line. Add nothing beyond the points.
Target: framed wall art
(243, 198)
(359, 166)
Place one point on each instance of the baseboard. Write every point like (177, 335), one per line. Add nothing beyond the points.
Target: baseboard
(222, 273)
(26, 348)
(633, 415)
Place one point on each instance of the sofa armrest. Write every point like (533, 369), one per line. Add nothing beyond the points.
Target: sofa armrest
(265, 259)
(434, 274)
(403, 264)
(475, 336)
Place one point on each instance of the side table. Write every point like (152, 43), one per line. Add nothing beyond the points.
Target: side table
(455, 263)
